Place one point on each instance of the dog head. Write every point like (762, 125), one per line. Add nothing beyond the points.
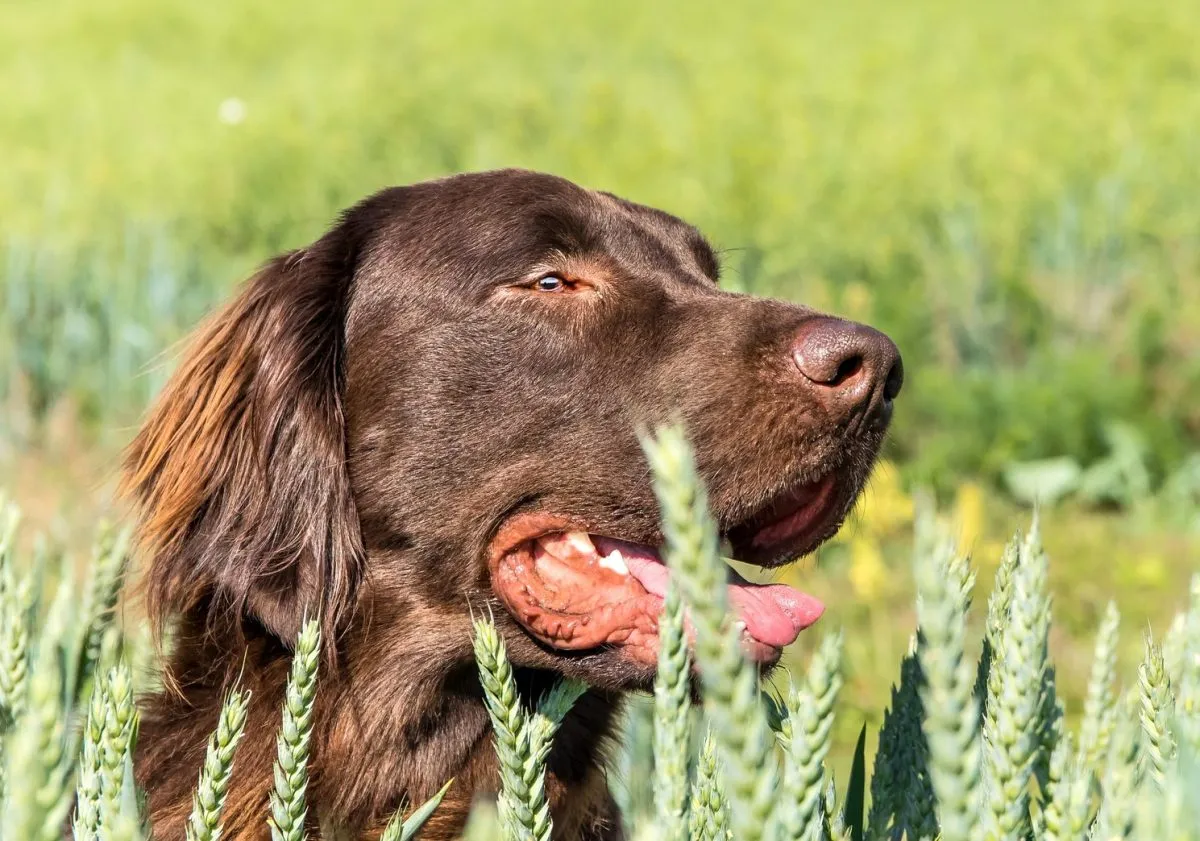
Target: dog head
(434, 409)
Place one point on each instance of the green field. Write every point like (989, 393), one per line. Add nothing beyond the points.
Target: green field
(1008, 189)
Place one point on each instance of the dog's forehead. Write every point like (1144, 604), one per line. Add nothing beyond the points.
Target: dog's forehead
(484, 225)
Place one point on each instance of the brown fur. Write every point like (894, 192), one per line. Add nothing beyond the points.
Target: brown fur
(345, 438)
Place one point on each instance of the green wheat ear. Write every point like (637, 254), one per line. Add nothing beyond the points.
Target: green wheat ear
(37, 762)
(730, 681)
(289, 803)
(948, 696)
(90, 782)
(1187, 688)
(523, 740)
(16, 596)
(1119, 783)
(1066, 803)
(517, 804)
(709, 818)
(120, 729)
(672, 711)
(806, 734)
(110, 558)
(1011, 737)
(1100, 704)
(204, 824)
(1157, 709)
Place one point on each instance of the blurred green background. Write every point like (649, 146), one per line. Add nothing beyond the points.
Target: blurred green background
(1009, 189)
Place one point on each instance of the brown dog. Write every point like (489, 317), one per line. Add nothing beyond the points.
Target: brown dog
(432, 410)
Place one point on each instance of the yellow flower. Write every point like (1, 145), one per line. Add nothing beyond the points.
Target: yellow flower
(884, 508)
(868, 575)
(969, 515)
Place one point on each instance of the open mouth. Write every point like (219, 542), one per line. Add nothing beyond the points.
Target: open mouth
(577, 590)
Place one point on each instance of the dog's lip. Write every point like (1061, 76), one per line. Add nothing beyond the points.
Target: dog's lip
(790, 524)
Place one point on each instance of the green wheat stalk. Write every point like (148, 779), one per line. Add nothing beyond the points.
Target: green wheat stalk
(948, 697)
(106, 575)
(730, 681)
(1011, 736)
(523, 740)
(1099, 706)
(208, 800)
(672, 711)
(483, 824)
(37, 764)
(289, 806)
(1157, 708)
(806, 735)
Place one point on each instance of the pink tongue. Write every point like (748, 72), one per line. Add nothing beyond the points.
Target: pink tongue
(774, 614)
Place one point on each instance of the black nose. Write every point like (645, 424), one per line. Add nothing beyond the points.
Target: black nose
(849, 368)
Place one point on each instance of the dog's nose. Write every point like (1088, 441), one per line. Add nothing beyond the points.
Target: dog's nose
(849, 368)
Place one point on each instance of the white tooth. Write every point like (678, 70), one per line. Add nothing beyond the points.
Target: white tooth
(615, 561)
(579, 541)
(739, 626)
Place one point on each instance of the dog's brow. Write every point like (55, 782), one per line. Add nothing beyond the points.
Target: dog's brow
(568, 233)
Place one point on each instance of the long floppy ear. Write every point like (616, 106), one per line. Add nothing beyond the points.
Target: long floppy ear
(239, 473)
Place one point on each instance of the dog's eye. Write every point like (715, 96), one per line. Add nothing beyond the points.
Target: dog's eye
(550, 283)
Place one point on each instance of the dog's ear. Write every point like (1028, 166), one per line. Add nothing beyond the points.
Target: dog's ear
(239, 473)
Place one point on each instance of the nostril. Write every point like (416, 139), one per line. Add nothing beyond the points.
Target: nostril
(847, 370)
(894, 381)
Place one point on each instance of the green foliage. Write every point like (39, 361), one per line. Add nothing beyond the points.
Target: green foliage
(943, 769)
(1020, 218)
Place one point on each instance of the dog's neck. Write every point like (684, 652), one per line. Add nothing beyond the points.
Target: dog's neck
(388, 732)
